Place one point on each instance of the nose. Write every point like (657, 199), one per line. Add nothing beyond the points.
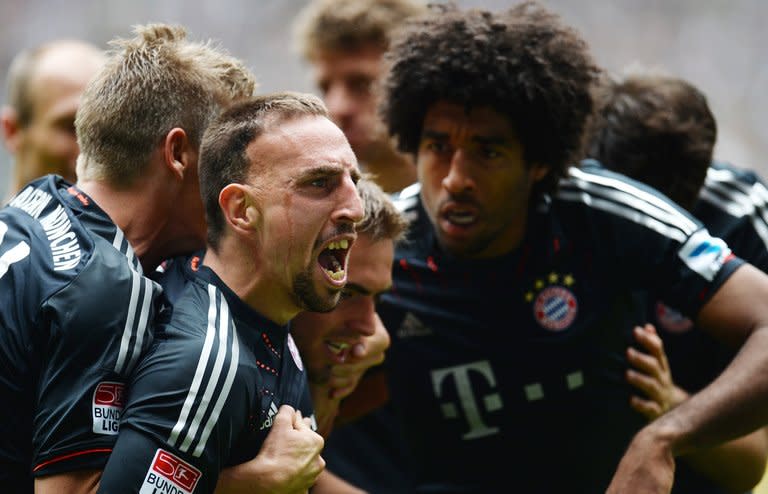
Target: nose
(364, 322)
(459, 179)
(339, 102)
(351, 206)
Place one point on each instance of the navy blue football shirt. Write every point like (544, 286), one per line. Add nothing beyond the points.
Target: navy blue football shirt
(508, 374)
(206, 394)
(75, 318)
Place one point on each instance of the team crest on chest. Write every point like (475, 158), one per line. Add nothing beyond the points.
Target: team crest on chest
(671, 320)
(554, 304)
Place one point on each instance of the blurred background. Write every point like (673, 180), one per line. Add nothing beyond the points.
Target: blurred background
(719, 45)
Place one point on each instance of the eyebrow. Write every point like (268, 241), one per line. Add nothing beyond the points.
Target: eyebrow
(493, 140)
(325, 170)
(361, 290)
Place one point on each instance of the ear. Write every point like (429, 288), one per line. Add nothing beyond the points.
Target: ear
(12, 131)
(239, 208)
(538, 171)
(178, 153)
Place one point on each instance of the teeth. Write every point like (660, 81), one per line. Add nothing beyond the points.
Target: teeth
(337, 347)
(462, 218)
(341, 244)
(335, 275)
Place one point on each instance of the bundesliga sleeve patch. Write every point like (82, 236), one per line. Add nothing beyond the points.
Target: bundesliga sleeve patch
(169, 474)
(107, 407)
(704, 254)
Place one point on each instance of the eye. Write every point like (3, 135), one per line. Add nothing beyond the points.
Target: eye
(489, 153)
(319, 182)
(360, 86)
(437, 147)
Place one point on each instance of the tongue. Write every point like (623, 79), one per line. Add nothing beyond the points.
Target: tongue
(328, 261)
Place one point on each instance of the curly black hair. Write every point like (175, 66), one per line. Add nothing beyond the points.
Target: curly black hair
(524, 63)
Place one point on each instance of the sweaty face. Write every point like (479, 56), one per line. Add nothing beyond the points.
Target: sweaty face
(308, 205)
(48, 144)
(475, 185)
(347, 80)
(325, 339)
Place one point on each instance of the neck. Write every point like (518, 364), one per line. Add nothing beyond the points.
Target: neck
(138, 212)
(234, 262)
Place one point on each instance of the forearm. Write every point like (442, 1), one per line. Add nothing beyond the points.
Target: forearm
(736, 466)
(733, 405)
(253, 477)
(329, 483)
(77, 482)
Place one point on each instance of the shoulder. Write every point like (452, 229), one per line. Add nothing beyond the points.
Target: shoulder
(39, 232)
(734, 190)
(610, 196)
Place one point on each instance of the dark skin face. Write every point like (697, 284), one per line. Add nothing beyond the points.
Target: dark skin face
(475, 185)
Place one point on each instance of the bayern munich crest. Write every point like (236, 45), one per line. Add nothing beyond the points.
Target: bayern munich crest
(671, 320)
(295, 353)
(554, 304)
(555, 308)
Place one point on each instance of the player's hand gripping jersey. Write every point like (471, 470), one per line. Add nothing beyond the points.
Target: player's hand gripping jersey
(508, 373)
(206, 393)
(75, 319)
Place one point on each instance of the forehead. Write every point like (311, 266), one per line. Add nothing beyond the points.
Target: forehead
(300, 143)
(364, 60)
(370, 263)
(445, 116)
(62, 73)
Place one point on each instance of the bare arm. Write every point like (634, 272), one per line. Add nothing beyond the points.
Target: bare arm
(737, 465)
(733, 405)
(78, 482)
(328, 483)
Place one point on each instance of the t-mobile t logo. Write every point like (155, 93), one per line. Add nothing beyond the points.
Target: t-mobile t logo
(470, 404)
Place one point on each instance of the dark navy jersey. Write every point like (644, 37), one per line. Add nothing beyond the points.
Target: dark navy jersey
(206, 394)
(732, 205)
(508, 374)
(74, 322)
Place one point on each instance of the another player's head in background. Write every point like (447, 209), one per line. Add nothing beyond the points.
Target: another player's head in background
(140, 125)
(344, 41)
(38, 120)
(494, 106)
(657, 129)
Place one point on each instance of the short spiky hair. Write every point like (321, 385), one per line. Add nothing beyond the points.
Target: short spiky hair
(346, 25)
(223, 158)
(657, 129)
(382, 219)
(524, 63)
(151, 83)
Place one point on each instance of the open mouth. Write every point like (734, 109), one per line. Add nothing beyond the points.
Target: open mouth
(337, 348)
(333, 260)
(459, 217)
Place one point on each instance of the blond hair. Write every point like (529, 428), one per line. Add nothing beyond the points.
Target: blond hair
(382, 219)
(346, 25)
(152, 83)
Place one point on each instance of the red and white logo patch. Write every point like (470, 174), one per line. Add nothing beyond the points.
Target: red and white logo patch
(107, 406)
(295, 353)
(170, 474)
(555, 308)
(671, 320)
